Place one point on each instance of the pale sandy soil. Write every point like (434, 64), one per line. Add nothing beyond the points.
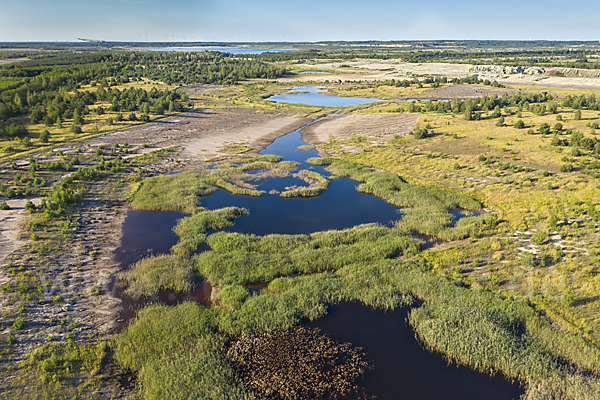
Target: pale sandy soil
(372, 70)
(201, 134)
(255, 136)
(377, 128)
(9, 227)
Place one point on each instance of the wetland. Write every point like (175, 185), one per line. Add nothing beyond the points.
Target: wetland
(420, 249)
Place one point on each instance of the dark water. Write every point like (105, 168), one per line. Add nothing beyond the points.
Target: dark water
(146, 232)
(316, 96)
(339, 207)
(403, 370)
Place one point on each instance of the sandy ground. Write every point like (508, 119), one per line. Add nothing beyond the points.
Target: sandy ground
(396, 69)
(377, 128)
(202, 133)
(256, 136)
(10, 227)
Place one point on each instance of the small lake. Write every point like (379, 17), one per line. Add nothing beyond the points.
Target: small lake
(403, 370)
(316, 96)
(232, 50)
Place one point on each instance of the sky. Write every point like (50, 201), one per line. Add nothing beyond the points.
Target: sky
(298, 21)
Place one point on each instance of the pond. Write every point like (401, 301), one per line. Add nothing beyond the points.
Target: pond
(402, 368)
(316, 96)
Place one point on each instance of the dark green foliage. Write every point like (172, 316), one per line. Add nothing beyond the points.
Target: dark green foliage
(44, 136)
(544, 128)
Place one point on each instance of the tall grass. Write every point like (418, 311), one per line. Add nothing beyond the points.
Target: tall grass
(182, 192)
(258, 260)
(175, 271)
(177, 354)
(473, 327)
(425, 208)
(171, 193)
(322, 184)
(162, 272)
(233, 189)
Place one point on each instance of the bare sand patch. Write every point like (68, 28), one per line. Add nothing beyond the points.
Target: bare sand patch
(256, 136)
(377, 127)
(10, 226)
(380, 70)
(203, 134)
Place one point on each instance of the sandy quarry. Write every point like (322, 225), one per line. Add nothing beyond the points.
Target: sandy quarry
(396, 69)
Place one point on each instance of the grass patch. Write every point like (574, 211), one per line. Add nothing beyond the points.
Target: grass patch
(233, 189)
(174, 271)
(246, 259)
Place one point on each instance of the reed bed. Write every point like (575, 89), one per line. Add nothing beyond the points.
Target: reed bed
(162, 272)
(314, 190)
(328, 251)
(171, 193)
(476, 328)
(175, 271)
(178, 352)
(233, 189)
(182, 192)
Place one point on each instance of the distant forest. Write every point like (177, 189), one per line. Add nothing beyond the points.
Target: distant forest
(39, 87)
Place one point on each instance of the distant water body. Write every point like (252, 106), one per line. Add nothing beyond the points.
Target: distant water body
(232, 50)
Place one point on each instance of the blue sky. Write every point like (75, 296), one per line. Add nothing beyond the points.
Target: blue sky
(307, 20)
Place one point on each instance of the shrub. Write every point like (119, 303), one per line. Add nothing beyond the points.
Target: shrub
(44, 136)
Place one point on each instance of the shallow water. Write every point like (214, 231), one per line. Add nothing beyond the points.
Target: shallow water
(402, 368)
(315, 96)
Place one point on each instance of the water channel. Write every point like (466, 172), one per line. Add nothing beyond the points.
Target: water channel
(402, 368)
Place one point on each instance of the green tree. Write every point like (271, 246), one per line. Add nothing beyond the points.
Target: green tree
(519, 124)
(568, 296)
(557, 127)
(44, 136)
(577, 115)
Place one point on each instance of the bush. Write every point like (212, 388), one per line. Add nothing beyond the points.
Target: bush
(566, 167)
(4, 206)
(519, 124)
(44, 136)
